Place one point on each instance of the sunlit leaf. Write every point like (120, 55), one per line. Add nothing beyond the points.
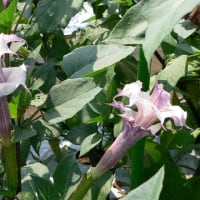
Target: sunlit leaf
(69, 97)
(7, 17)
(173, 71)
(88, 59)
(52, 14)
(149, 22)
(90, 142)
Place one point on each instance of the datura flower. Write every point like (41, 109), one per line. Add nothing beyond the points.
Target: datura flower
(143, 115)
(10, 79)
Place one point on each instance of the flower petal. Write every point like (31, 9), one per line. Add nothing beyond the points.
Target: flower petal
(160, 98)
(4, 40)
(132, 91)
(176, 113)
(14, 77)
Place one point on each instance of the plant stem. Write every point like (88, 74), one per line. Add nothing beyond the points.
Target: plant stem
(83, 186)
(137, 151)
(11, 167)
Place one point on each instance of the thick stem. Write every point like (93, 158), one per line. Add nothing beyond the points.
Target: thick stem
(83, 186)
(11, 168)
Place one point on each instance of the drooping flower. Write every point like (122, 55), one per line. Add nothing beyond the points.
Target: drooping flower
(143, 115)
(10, 79)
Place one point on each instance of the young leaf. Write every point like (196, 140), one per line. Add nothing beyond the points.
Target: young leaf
(7, 17)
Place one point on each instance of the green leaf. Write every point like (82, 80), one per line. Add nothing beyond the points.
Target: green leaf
(88, 59)
(23, 133)
(42, 75)
(131, 28)
(78, 133)
(90, 142)
(7, 17)
(69, 97)
(27, 195)
(184, 28)
(13, 104)
(37, 169)
(66, 176)
(46, 130)
(150, 190)
(151, 19)
(173, 71)
(52, 14)
(159, 24)
(45, 189)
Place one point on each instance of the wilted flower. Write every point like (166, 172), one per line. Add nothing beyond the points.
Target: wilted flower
(139, 115)
(10, 79)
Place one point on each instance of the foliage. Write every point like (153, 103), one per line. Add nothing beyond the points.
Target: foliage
(72, 79)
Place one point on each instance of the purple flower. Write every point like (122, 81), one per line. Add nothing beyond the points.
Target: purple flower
(10, 79)
(143, 115)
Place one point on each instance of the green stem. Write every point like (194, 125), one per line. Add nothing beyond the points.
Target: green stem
(83, 186)
(54, 143)
(11, 167)
(137, 151)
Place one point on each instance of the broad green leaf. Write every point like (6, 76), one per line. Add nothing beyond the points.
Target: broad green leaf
(78, 133)
(88, 59)
(66, 176)
(42, 75)
(52, 14)
(184, 29)
(131, 28)
(157, 155)
(23, 133)
(150, 190)
(152, 19)
(69, 97)
(7, 17)
(37, 169)
(162, 16)
(90, 142)
(173, 71)
(46, 130)
(44, 188)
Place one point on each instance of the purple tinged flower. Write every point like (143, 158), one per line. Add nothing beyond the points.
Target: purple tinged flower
(10, 79)
(6, 3)
(143, 115)
(4, 40)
